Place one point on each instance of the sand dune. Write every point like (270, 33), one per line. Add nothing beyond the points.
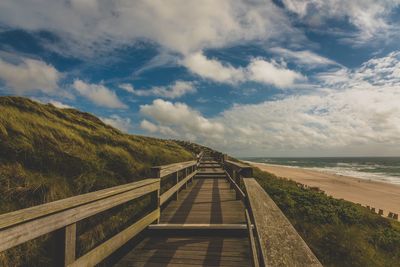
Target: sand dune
(375, 194)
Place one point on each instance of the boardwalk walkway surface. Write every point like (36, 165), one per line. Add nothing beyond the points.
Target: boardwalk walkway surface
(208, 202)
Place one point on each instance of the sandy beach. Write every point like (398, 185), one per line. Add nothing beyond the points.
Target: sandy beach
(366, 192)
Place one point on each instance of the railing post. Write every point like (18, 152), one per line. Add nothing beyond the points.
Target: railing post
(177, 181)
(186, 174)
(157, 173)
(237, 180)
(66, 245)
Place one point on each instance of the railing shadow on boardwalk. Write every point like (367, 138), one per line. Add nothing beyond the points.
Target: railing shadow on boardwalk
(232, 228)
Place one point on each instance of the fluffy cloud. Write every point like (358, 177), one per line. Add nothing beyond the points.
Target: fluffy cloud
(98, 94)
(176, 90)
(213, 69)
(153, 128)
(29, 75)
(59, 104)
(183, 26)
(258, 70)
(272, 73)
(181, 119)
(371, 18)
(123, 124)
(56, 103)
(304, 57)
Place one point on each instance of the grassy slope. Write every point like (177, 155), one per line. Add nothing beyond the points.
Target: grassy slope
(48, 153)
(339, 232)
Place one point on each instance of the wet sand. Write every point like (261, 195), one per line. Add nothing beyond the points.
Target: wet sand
(379, 195)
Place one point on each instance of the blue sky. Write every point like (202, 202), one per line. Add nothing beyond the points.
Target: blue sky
(250, 78)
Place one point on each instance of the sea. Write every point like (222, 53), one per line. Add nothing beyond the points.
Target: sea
(384, 169)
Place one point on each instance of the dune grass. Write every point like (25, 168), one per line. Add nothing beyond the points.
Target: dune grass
(47, 153)
(339, 232)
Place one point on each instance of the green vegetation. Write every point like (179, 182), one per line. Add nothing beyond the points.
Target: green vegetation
(48, 153)
(339, 232)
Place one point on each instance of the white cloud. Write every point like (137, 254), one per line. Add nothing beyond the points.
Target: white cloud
(123, 124)
(213, 69)
(181, 119)
(46, 100)
(29, 75)
(98, 94)
(182, 26)
(59, 104)
(272, 73)
(370, 17)
(304, 57)
(127, 87)
(153, 128)
(176, 90)
(258, 70)
(376, 72)
(149, 126)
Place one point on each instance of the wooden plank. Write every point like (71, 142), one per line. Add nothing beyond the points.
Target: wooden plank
(189, 251)
(253, 247)
(21, 233)
(198, 226)
(202, 251)
(23, 215)
(170, 192)
(280, 243)
(191, 264)
(99, 253)
(187, 258)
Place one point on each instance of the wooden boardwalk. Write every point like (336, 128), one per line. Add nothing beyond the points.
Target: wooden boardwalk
(204, 212)
(208, 203)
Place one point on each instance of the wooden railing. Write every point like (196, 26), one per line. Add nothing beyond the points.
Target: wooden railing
(61, 216)
(24, 225)
(179, 174)
(274, 241)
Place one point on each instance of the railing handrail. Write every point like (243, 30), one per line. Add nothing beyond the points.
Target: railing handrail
(28, 214)
(165, 170)
(66, 218)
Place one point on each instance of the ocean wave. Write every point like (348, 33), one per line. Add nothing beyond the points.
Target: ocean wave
(380, 177)
(378, 170)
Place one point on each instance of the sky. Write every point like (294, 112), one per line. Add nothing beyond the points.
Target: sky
(247, 77)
